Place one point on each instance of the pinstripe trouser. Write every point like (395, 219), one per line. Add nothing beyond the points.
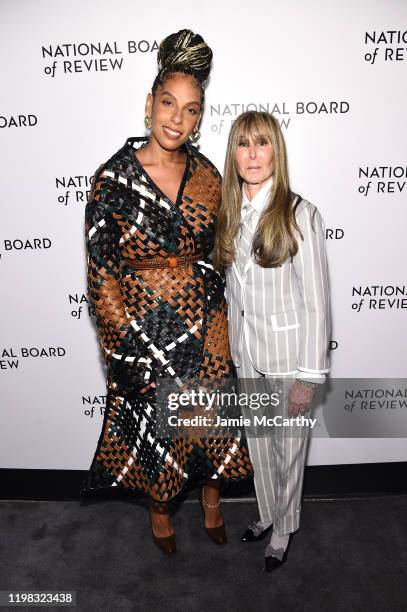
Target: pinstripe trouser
(278, 457)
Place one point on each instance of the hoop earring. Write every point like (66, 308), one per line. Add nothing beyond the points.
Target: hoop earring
(147, 122)
(195, 136)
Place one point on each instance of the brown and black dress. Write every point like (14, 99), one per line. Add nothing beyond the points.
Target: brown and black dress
(156, 322)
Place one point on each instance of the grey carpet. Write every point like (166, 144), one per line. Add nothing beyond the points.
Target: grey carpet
(349, 555)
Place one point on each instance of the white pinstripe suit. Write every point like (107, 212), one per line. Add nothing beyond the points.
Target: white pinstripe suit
(279, 327)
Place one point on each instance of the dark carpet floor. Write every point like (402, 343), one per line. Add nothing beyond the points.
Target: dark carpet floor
(349, 555)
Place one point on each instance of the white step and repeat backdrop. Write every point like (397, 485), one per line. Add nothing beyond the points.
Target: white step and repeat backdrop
(74, 76)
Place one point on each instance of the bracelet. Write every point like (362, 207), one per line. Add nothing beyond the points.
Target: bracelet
(311, 385)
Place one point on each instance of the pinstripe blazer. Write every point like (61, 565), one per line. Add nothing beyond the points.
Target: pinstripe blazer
(282, 314)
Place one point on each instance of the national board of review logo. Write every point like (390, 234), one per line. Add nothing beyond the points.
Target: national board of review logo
(70, 58)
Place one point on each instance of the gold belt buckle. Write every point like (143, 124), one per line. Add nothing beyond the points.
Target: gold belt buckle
(173, 261)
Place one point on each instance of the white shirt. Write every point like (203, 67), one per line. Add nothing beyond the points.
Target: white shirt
(249, 217)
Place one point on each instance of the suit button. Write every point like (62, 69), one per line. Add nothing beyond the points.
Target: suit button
(242, 313)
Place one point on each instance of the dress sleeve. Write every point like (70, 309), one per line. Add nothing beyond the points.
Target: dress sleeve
(121, 346)
(310, 264)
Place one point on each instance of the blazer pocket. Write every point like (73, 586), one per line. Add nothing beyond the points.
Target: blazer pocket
(282, 321)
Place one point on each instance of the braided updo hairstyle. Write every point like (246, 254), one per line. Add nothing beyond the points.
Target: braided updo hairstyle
(184, 52)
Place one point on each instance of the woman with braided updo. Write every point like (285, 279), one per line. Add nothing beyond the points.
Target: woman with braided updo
(160, 308)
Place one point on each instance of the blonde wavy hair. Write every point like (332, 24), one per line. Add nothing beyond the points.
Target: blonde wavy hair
(275, 239)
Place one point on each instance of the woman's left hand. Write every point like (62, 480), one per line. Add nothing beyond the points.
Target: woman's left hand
(299, 398)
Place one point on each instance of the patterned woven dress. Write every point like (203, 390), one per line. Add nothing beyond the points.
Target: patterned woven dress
(153, 323)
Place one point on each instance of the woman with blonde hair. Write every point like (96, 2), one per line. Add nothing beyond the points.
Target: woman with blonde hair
(271, 243)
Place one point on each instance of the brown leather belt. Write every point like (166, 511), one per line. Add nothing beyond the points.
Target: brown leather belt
(173, 261)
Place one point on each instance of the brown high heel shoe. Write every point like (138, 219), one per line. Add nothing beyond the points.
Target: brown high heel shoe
(166, 544)
(216, 534)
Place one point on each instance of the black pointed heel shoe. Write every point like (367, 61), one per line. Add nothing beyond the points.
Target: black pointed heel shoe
(216, 534)
(250, 535)
(272, 563)
(166, 544)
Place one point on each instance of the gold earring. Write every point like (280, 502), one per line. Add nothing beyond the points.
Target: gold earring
(195, 136)
(147, 122)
